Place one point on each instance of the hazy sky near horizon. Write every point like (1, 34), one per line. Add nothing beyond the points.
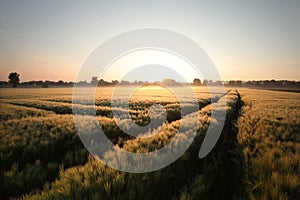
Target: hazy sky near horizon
(248, 40)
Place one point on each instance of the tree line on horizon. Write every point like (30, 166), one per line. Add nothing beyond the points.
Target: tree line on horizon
(14, 81)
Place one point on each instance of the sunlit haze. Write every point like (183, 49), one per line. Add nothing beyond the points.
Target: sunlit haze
(246, 40)
(145, 64)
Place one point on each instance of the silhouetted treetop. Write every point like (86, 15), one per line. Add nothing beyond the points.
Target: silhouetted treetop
(13, 78)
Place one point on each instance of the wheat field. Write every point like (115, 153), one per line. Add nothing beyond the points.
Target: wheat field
(256, 157)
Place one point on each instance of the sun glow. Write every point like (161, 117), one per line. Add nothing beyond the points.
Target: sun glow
(127, 64)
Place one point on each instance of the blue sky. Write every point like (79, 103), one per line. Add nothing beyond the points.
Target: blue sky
(245, 39)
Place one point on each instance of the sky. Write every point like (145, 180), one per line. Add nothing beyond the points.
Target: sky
(246, 40)
(151, 66)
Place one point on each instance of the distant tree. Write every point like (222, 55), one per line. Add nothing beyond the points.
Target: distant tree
(45, 85)
(94, 80)
(235, 83)
(218, 83)
(239, 83)
(196, 81)
(114, 82)
(14, 79)
(169, 81)
(123, 82)
(60, 82)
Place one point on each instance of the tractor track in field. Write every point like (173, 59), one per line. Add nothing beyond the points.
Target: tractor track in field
(105, 111)
(173, 189)
(222, 172)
